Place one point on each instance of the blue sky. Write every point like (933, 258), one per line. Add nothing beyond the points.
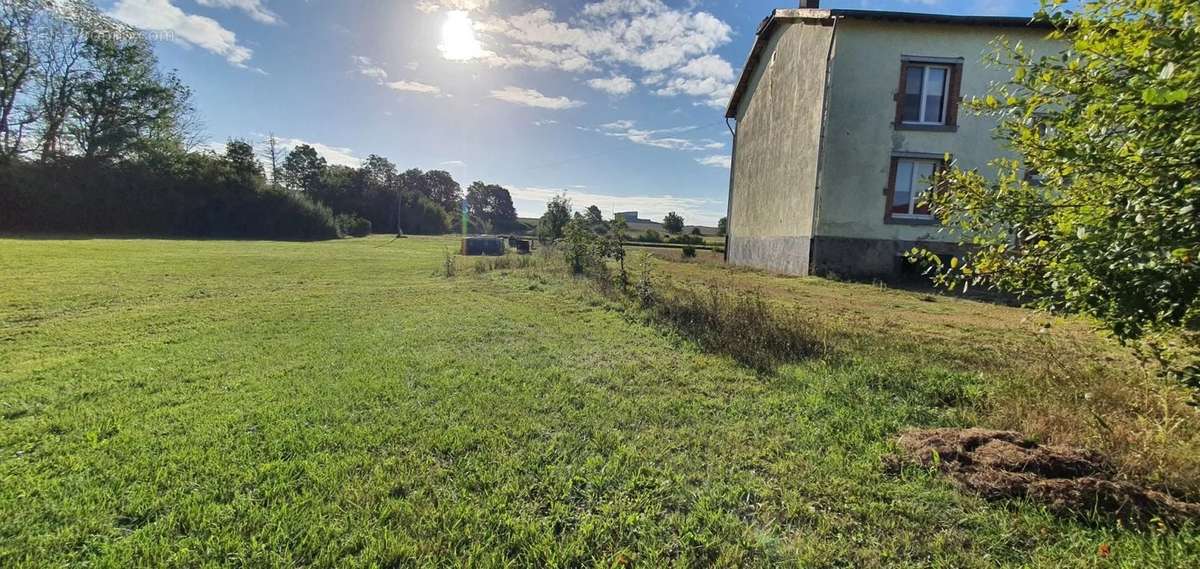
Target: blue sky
(615, 102)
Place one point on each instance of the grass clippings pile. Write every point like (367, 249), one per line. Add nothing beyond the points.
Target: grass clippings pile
(1001, 465)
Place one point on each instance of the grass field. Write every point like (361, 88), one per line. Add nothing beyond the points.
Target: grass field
(188, 403)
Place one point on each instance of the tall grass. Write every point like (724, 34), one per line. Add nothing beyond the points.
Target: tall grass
(740, 324)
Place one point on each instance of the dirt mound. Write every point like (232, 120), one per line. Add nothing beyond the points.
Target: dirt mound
(1003, 464)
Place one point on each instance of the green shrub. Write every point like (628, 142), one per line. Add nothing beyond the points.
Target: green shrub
(689, 252)
(353, 225)
(650, 236)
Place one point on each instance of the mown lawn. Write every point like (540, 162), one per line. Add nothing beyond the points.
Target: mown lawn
(187, 403)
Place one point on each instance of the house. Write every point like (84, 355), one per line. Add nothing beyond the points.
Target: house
(631, 217)
(841, 117)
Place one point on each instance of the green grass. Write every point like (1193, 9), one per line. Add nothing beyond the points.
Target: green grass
(187, 403)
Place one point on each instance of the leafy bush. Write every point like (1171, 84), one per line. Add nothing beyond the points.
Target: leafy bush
(687, 240)
(673, 223)
(421, 215)
(1098, 212)
(650, 236)
(353, 225)
(689, 252)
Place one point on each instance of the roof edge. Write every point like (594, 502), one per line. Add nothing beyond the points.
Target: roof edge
(827, 16)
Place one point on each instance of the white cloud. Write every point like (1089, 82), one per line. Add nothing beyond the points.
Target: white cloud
(427, 6)
(531, 202)
(716, 160)
(252, 8)
(619, 36)
(714, 92)
(453, 164)
(332, 154)
(413, 87)
(189, 29)
(431, 6)
(368, 68)
(708, 66)
(532, 98)
(626, 129)
(544, 122)
(615, 85)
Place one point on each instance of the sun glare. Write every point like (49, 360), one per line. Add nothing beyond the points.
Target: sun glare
(458, 38)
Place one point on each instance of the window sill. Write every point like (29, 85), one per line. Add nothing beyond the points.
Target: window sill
(911, 221)
(927, 127)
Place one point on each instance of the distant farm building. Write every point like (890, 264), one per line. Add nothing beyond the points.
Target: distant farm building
(631, 217)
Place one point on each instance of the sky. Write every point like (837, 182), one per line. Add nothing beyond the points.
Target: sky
(617, 103)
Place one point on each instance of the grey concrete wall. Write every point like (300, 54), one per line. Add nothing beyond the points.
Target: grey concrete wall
(867, 258)
(774, 175)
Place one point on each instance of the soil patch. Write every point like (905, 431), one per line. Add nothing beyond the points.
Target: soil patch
(1000, 465)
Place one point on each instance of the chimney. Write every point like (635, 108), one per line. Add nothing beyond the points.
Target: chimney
(810, 4)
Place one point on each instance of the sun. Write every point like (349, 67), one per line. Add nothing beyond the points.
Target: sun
(458, 38)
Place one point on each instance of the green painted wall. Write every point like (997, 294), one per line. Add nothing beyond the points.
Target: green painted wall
(860, 139)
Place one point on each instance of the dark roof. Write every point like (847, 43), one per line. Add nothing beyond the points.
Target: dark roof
(827, 17)
(915, 17)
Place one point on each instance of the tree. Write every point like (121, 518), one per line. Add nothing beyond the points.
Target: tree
(673, 223)
(593, 215)
(17, 35)
(443, 190)
(124, 106)
(556, 218)
(303, 167)
(274, 156)
(380, 171)
(493, 205)
(1099, 213)
(60, 62)
(722, 226)
(240, 156)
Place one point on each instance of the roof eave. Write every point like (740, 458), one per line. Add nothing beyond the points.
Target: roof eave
(763, 36)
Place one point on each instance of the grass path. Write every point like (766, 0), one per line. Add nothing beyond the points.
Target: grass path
(183, 403)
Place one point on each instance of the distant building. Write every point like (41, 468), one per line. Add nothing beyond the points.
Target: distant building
(842, 118)
(631, 217)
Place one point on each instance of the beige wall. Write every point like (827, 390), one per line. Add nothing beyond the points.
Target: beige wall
(859, 138)
(775, 157)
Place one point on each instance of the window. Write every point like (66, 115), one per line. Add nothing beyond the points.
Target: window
(928, 95)
(911, 178)
(925, 94)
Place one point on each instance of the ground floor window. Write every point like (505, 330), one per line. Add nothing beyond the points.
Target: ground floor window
(911, 178)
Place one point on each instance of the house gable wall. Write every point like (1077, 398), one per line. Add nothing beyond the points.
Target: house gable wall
(774, 175)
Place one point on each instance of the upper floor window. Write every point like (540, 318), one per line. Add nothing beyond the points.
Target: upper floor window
(928, 94)
(925, 94)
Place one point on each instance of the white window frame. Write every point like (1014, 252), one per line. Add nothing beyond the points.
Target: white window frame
(914, 182)
(925, 67)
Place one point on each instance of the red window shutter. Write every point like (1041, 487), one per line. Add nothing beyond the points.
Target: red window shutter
(890, 193)
(900, 97)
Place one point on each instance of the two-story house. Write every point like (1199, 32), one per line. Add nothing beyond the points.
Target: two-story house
(841, 118)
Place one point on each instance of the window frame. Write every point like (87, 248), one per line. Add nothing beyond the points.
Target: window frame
(951, 95)
(939, 164)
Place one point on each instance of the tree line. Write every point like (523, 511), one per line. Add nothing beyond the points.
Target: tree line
(94, 138)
